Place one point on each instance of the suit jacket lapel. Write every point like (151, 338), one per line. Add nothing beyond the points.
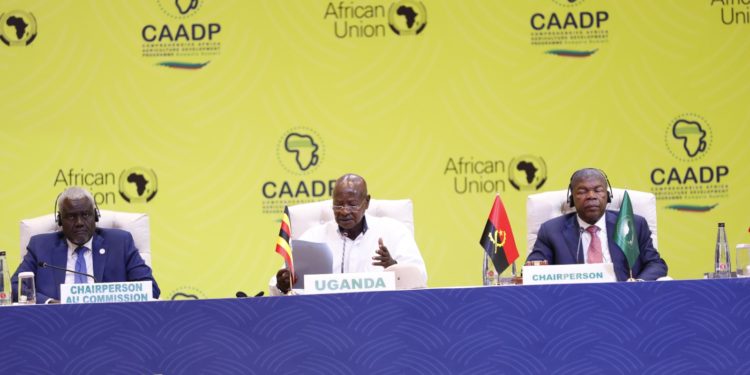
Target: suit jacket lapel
(572, 236)
(60, 258)
(99, 259)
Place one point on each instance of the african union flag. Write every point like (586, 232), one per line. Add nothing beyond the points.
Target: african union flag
(497, 238)
(626, 236)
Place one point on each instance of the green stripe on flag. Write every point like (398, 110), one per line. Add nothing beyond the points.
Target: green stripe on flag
(625, 236)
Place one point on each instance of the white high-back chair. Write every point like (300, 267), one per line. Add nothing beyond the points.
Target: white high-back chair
(135, 223)
(544, 206)
(305, 216)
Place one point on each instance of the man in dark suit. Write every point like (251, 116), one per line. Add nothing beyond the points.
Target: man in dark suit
(107, 254)
(586, 236)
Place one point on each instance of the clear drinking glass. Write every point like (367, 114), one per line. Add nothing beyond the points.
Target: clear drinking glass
(742, 259)
(26, 288)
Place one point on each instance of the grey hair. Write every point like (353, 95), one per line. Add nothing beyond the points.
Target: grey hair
(75, 192)
(586, 173)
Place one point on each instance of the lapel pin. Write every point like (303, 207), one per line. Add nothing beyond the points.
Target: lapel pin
(102, 251)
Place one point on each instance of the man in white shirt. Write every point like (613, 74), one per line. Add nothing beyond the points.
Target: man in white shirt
(359, 242)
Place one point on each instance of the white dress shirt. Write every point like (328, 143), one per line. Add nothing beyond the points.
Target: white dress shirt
(350, 256)
(70, 277)
(602, 234)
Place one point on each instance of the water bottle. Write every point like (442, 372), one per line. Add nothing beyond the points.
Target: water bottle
(722, 263)
(5, 287)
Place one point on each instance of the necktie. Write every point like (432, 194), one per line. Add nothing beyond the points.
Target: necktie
(80, 266)
(594, 253)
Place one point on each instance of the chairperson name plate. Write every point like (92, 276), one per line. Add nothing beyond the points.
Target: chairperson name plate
(569, 274)
(132, 291)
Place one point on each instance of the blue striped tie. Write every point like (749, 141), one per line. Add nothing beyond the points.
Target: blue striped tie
(81, 266)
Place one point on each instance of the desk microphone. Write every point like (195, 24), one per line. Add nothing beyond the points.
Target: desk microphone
(241, 294)
(47, 265)
(578, 247)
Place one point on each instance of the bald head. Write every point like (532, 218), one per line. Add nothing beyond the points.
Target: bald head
(350, 201)
(352, 181)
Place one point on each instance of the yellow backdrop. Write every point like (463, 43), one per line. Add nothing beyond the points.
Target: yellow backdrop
(232, 109)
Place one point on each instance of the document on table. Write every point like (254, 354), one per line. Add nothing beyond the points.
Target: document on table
(310, 258)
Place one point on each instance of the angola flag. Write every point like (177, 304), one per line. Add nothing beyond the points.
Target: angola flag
(625, 235)
(282, 244)
(497, 238)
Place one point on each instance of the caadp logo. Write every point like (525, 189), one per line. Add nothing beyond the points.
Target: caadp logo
(300, 150)
(569, 32)
(187, 293)
(407, 17)
(527, 172)
(17, 28)
(688, 137)
(180, 44)
(138, 185)
(568, 3)
(180, 8)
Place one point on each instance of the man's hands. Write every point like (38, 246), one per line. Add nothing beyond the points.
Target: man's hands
(282, 280)
(536, 263)
(383, 258)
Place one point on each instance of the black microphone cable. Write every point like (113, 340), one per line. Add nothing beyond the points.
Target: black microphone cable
(47, 265)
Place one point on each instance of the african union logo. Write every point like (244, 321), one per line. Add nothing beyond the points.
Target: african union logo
(300, 150)
(17, 28)
(138, 185)
(688, 137)
(180, 8)
(407, 17)
(527, 172)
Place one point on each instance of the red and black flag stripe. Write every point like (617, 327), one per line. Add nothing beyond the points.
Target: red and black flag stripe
(282, 244)
(497, 238)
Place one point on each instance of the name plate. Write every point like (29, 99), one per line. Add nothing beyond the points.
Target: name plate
(349, 282)
(127, 291)
(569, 274)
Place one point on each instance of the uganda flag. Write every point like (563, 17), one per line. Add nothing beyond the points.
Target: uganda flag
(282, 244)
(497, 238)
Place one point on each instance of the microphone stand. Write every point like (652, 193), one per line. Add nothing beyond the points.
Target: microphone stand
(291, 287)
(47, 265)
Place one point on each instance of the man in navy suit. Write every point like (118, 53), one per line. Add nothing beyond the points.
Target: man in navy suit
(568, 239)
(108, 254)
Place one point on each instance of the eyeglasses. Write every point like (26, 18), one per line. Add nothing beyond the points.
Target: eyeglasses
(348, 207)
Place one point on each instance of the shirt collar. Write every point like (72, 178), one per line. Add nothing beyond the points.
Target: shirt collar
(601, 223)
(72, 247)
